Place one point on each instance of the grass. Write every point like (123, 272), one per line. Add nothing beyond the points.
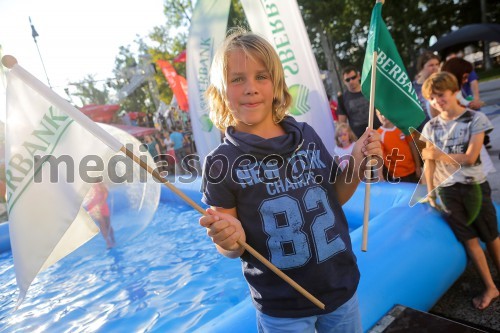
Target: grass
(492, 74)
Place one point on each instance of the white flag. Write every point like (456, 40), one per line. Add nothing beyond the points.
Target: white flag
(208, 30)
(47, 221)
(280, 22)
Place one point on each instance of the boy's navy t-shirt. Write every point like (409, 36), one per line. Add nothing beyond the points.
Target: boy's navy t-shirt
(291, 215)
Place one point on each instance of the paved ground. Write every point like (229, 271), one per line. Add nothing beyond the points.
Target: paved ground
(456, 303)
(494, 152)
(490, 93)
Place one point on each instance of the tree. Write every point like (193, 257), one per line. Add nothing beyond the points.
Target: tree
(168, 40)
(165, 42)
(178, 13)
(237, 16)
(345, 25)
(166, 46)
(88, 93)
(337, 30)
(127, 67)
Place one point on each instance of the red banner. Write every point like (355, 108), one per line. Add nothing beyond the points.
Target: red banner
(181, 57)
(176, 83)
(100, 113)
(183, 82)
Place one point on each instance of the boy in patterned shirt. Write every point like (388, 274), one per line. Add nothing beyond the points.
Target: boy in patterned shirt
(456, 136)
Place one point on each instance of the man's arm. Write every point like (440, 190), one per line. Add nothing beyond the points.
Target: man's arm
(341, 112)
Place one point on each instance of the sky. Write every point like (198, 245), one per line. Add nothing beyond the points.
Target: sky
(76, 37)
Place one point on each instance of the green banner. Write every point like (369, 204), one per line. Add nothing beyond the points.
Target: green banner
(395, 96)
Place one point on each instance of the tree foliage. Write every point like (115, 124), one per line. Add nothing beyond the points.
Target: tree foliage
(236, 16)
(411, 23)
(126, 67)
(164, 42)
(178, 13)
(339, 25)
(88, 92)
(168, 41)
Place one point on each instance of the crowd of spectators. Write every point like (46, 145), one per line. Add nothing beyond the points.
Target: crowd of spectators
(169, 142)
(452, 141)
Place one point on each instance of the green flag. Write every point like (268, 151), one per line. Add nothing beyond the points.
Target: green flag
(395, 96)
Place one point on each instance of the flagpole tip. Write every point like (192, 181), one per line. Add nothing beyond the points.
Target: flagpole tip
(9, 61)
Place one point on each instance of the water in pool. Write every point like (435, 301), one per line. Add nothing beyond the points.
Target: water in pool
(169, 278)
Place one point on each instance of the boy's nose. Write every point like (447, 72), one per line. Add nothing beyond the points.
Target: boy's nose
(250, 88)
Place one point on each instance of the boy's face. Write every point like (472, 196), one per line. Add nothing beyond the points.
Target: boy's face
(443, 100)
(249, 91)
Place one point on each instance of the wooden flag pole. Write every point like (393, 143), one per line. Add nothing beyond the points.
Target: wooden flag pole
(247, 247)
(11, 63)
(371, 115)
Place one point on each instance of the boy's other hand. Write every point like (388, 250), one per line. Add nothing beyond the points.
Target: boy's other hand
(368, 144)
(433, 203)
(224, 229)
(430, 153)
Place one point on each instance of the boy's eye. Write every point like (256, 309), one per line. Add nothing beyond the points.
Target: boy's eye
(236, 79)
(262, 77)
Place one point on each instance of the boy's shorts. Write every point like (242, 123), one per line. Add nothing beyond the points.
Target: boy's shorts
(469, 211)
(345, 318)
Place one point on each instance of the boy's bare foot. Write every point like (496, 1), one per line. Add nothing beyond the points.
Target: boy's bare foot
(484, 300)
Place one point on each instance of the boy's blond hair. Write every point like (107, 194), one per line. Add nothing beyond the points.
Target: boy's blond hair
(259, 49)
(344, 126)
(438, 83)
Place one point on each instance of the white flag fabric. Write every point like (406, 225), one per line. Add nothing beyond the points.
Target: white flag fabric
(47, 221)
(280, 22)
(208, 30)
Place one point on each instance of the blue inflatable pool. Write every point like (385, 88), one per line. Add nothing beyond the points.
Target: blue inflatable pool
(412, 259)
(171, 279)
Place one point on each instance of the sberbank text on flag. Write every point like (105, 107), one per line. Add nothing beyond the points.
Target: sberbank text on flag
(46, 219)
(395, 96)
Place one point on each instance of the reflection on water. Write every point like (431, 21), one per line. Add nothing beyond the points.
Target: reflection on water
(167, 279)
